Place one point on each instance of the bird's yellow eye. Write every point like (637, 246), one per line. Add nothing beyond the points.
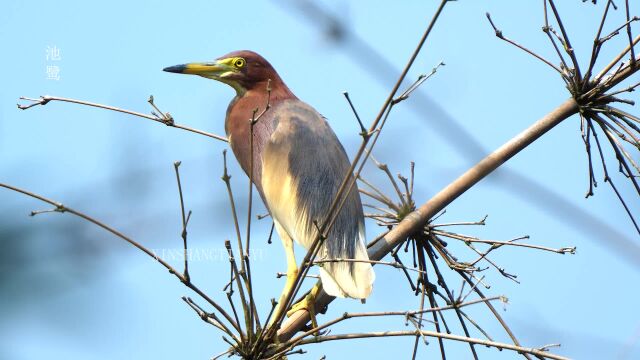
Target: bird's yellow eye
(239, 62)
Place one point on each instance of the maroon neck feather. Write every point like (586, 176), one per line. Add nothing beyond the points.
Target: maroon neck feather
(239, 113)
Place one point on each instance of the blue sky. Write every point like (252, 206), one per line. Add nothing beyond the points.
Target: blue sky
(72, 291)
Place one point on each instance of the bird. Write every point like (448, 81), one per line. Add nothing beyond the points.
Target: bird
(298, 166)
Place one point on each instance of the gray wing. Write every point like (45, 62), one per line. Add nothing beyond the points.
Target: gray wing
(303, 167)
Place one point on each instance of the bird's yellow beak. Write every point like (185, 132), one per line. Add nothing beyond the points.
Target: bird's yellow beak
(214, 70)
(223, 70)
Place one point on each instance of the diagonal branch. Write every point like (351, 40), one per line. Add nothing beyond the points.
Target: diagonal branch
(416, 220)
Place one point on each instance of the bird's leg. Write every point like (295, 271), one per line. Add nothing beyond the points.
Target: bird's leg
(308, 303)
(292, 273)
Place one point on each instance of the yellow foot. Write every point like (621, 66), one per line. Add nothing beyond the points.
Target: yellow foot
(307, 303)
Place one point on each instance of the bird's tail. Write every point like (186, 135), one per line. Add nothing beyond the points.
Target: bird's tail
(352, 279)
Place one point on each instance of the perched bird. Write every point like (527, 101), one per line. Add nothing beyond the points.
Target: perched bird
(298, 166)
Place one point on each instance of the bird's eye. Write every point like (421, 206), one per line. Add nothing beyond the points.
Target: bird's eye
(239, 62)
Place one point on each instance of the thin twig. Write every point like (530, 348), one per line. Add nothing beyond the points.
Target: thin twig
(568, 48)
(499, 35)
(185, 221)
(295, 341)
(222, 354)
(494, 344)
(209, 318)
(255, 117)
(166, 118)
(615, 60)
(426, 246)
(373, 262)
(628, 26)
(421, 79)
(563, 250)
(363, 130)
(243, 299)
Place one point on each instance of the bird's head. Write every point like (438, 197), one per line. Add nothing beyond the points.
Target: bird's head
(242, 70)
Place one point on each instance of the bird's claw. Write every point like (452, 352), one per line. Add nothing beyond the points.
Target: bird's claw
(308, 304)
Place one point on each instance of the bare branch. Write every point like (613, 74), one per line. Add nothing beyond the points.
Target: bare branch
(523, 350)
(164, 118)
(497, 243)
(499, 35)
(421, 79)
(567, 43)
(185, 221)
(363, 130)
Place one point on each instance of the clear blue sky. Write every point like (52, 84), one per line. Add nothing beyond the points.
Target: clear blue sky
(71, 291)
